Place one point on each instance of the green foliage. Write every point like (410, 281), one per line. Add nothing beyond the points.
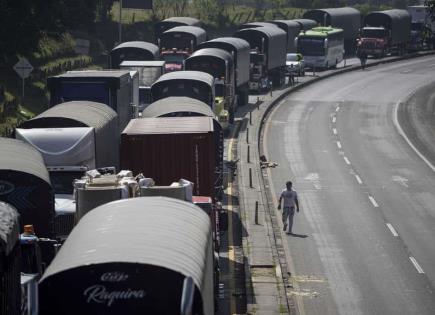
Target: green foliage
(431, 8)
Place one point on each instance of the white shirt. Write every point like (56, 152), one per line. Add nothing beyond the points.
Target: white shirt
(289, 197)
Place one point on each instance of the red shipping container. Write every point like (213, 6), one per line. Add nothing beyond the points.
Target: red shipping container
(169, 148)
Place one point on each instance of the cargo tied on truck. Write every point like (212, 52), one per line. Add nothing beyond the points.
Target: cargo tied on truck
(267, 56)
(158, 257)
(178, 43)
(133, 51)
(219, 64)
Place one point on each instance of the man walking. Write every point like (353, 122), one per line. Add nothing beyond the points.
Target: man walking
(290, 197)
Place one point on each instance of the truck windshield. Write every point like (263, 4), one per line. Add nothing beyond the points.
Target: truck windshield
(373, 33)
(311, 46)
(174, 58)
(62, 181)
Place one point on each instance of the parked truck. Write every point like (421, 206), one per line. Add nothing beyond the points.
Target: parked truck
(422, 27)
(73, 137)
(133, 51)
(167, 149)
(166, 24)
(178, 43)
(149, 72)
(346, 18)
(292, 29)
(158, 257)
(219, 64)
(239, 49)
(25, 184)
(119, 89)
(385, 32)
(267, 56)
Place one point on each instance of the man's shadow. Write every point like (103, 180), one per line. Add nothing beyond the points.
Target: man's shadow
(298, 235)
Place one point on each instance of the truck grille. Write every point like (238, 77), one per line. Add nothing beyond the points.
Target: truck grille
(63, 224)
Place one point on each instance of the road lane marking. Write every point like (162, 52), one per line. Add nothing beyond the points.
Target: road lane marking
(346, 160)
(392, 230)
(416, 265)
(334, 119)
(373, 201)
(339, 144)
(358, 179)
(337, 109)
(402, 133)
(334, 131)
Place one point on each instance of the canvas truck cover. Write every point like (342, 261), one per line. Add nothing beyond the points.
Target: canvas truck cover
(169, 148)
(214, 61)
(182, 37)
(195, 84)
(306, 24)
(292, 30)
(74, 114)
(9, 228)
(110, 87)
(346, 18)
(25, 185)
(134, 50)
(175, 21)
(275, 41)
(255, 24)
(396, 20)
(135, 266)
(239, 49)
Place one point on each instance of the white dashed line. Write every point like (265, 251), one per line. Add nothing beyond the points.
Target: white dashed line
(334, 119)
(416, 265)
(373, 201)
(339, 144)
(334, 131)
(358, 179)
(337, 109)
(392, 229)
(346, 160)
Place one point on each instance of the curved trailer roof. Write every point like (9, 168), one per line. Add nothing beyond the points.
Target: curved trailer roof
(255, 24)
(26, 185)
(196, 33)
(134, 50)
(398, 21)
(177, 104)
(306, 24)
(175, 21)
(292, 29)
(9, 228)
(187, 75)
(141, 247)
(212, 53)
(239, 49)
(84, 114)
(347, 18)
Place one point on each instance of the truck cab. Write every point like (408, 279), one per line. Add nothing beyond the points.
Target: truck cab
(374, 41)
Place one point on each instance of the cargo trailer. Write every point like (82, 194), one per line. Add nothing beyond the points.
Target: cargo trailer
(155, 259)
(255, 24)
(167, 149)
(239, 49)
(292, 29)
(25, 184)
(133, 51)
(119, 89)
(306, 24)
(166, 24)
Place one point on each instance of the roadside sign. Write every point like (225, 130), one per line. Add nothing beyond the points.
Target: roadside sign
(23, 68)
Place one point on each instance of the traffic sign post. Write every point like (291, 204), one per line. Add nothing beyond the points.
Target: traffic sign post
(23, 68)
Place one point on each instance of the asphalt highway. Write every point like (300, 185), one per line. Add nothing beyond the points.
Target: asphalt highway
(364, 240)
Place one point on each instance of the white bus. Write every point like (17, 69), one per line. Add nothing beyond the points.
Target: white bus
(322, 47)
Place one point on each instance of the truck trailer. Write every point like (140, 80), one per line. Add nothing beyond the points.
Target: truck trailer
(167, 149)
(157, 258)
(178, 43)
(166, 24)
(385, 32)
(267, 56)
(25, 184)
(347, 18)
(119, 89)
(195, 84)
(239, 49)
(73, 137)
(292, 29)
(219, 64)
(149, 72)
(133, 51)
(306, 24)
